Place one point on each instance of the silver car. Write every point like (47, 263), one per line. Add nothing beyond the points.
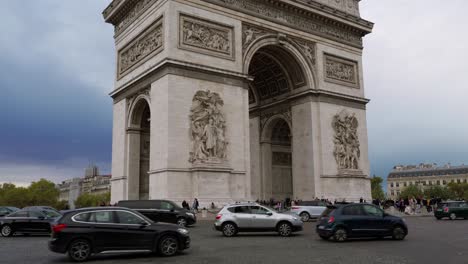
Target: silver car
(252, 217)
(309, 209)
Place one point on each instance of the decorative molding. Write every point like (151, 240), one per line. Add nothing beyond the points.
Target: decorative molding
(341, 71)
(346, 151)
(250, 33)
(140, 7)
(286, 14)
(149, 43)
(206, 37)
(207, 129)
(308, 48)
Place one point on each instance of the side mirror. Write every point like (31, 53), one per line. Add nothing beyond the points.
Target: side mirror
(269, 213)
(143, 224)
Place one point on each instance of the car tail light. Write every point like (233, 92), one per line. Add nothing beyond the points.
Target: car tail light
(295, 207)
(58, 228)
(446, 209)
(331, 219)
(219, 216)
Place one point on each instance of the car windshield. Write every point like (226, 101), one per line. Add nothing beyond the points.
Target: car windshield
(51, 214)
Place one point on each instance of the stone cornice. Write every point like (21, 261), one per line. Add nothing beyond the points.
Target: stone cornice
(310, 17)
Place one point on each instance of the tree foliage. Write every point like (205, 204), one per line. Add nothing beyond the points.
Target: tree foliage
(90, 200)
(437, 191)
(459, 190)
(410, 192)
(376, 188)
(42, 192)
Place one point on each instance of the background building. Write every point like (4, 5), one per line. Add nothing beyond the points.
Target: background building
(423, 175)
(92, 183)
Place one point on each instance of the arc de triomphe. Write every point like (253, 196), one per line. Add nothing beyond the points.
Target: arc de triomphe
(229, 100)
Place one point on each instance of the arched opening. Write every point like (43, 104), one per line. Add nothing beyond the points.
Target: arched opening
(139, 151)
(276, 74)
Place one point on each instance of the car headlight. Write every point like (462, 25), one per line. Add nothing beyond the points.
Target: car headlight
(183, 231)
(295, 219)
(191, 214)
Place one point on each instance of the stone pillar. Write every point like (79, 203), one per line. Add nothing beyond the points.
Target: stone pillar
(119, 173)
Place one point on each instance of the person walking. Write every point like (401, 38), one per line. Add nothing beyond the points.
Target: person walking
(195, 205)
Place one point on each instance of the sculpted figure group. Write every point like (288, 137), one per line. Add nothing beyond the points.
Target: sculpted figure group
(346, 141)
(207, 128)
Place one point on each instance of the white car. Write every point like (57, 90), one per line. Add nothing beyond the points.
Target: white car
(309, 209)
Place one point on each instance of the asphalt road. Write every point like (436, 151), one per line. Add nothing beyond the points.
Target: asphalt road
(429, 241)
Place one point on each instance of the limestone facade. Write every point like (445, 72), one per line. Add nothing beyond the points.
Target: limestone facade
(229, 100)
(424, 176)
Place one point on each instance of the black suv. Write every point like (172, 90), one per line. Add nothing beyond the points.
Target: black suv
(87, 231)
(161, 211)
(344, 221)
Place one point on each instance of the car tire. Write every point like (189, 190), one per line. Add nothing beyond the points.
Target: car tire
(304, 216)
(284, 229)
(340, 235)
(7, 231)
(79, 250)
(182, 222)
(229, 229)
(453, 216)
(168, 246)
(398, 233)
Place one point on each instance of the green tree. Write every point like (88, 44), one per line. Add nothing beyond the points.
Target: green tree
(460, 190)
(90, 200)
(18, 197)
(43, 192)
(438, 192)
(376, 188)
(411, 191)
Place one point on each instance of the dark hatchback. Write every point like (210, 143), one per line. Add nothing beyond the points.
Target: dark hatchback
(27, 222)
(6, 210)
(452, 210)
(341, 222)
(161, 211)
(81, 233)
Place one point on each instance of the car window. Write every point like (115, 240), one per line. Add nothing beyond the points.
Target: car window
(372, 211)
(328, 211)
(19, 214)
(101, 217)
(36, 214)
(129, 218)
(166, 205)
(258, 210)
(83, 217)
(353, 210)
(4, 210)
(241, 210)
(51, 214)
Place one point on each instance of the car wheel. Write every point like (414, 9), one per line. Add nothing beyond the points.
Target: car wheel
(304, 216)
(79, 250)
(168, 246)
(229, 230)
(182, 222)
(398, 233)
(340, 235)
(453, 216)
(284, 229)
(7, 231)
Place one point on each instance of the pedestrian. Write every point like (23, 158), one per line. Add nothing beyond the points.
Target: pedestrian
(195, 205)
(361, 200)
(184, 204)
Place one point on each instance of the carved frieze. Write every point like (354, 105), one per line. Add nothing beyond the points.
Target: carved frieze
(341, 71)
(146, 45)
(308, 49)
(206, 37)
(285, 14)
(207, 128)
(139, 7)
(251, 33)
(347, 147)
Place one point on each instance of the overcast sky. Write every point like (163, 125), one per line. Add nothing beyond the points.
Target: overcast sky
(57, 67)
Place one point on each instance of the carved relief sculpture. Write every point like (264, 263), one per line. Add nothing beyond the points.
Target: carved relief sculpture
(206, 37)
(133, 14)
(346, 152)
(207, 128)
(251, 33)
(341, 71)
(148, 43)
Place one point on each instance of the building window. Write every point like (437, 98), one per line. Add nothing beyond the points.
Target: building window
(430, 183)
(391, 184)
(405, 184)
(397, 184)
(458, 181)
(411, 183)
(444, 182)
(438, 182)
(464, 181)
(393, 193)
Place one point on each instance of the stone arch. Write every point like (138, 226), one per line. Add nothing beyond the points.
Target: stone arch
(266, 133)
(138, 150)
(297, 59)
